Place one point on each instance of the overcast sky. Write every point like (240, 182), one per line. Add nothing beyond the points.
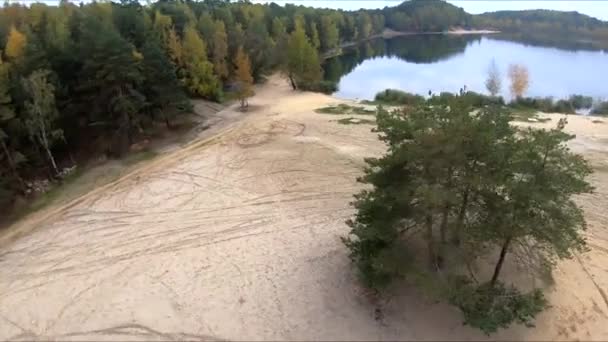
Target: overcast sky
(597, 8)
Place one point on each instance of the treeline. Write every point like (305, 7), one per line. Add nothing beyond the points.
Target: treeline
(546, 27)
(90, 79)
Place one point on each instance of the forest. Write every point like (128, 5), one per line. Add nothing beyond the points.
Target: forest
(548, 28)
(79, 81)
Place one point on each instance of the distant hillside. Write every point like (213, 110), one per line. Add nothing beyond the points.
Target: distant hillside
(567, 19)
(542, 27)
(426, 16)
(547, 27)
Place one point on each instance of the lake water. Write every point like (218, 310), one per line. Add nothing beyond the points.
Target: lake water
(446, 63)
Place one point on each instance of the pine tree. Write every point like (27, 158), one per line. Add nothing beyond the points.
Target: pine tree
(454, 166)
(111, 76)
(243, 78)
(7, 114)
(161, 87)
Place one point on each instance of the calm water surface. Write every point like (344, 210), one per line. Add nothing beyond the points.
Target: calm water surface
(447, 63)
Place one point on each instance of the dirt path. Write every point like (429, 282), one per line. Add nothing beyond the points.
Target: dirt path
(236, 236)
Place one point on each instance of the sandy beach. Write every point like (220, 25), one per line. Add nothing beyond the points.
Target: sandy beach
(237, 237)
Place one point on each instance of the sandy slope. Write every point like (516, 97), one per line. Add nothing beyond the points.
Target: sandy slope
(237, 237)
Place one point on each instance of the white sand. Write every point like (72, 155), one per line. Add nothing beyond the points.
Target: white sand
(237, 237)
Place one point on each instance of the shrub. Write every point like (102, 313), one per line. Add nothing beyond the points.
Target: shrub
(490, 308)
(548, 105)
(543, 104)
(479, 100)
(442, 98)
(326, 87)
(343, 108)
(398, 97)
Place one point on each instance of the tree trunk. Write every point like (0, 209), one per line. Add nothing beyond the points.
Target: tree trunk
(428, 223)
(293, 82)
(443, 231)
(52, 160)
(168, 122)
(501, 259)
(45, 144)
(460, 220)
(444, 222)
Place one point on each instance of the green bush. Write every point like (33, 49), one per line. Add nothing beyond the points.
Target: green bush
(548, 105)
(442, 98)
(542, 104)
(490, 308)
(343, 108)
(398, 97)
(479, 100)
(326, 87)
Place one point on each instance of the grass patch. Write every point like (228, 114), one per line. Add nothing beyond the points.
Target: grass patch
(345, 109)
(135, 158)
(355, 121)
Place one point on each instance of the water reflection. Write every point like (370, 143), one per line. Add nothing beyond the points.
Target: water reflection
(446, 63)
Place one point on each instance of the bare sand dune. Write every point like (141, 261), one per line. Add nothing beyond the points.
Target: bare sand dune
(236, 236)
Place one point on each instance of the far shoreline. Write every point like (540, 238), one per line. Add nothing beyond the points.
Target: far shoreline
(389, 34)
